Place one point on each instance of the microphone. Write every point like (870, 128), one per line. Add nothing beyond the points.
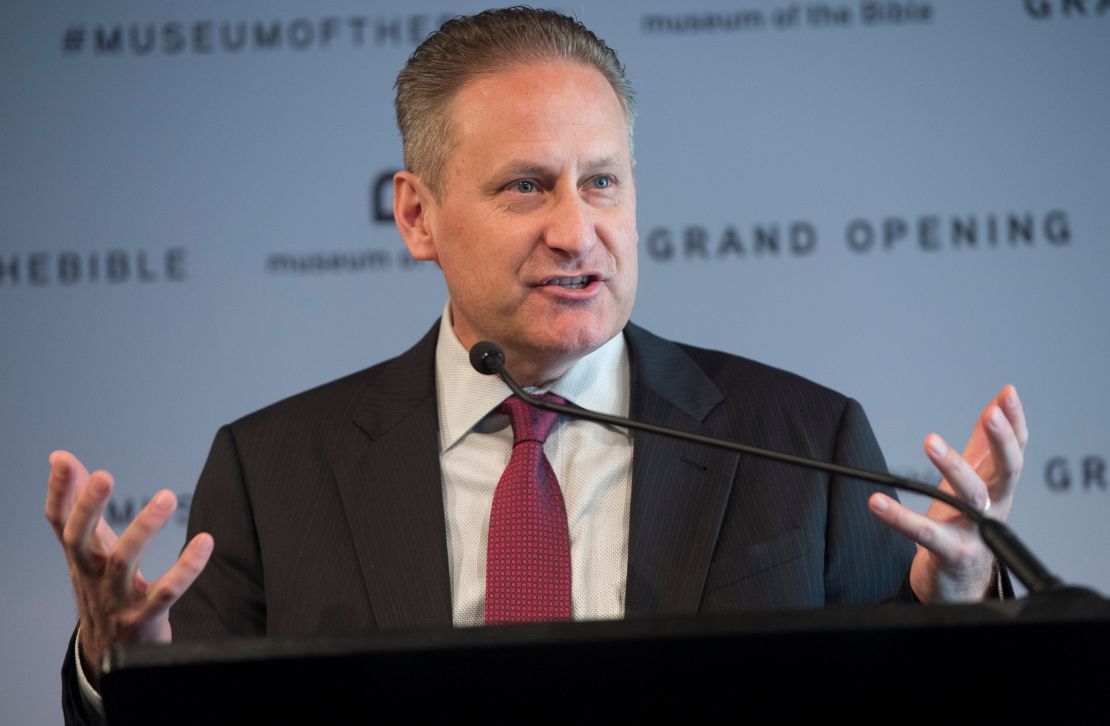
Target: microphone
(488, 359)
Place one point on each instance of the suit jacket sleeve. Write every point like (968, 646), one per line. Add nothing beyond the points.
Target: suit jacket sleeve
(865, 560)
(75, 708)
(229, 597)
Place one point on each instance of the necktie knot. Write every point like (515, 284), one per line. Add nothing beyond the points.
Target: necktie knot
(529, 423)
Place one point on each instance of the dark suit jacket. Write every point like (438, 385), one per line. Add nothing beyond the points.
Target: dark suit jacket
(327, 507)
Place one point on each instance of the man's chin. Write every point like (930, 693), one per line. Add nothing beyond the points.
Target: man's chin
(575, 340)
(543, 358)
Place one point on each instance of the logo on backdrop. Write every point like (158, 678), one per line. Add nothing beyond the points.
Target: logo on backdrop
(205, 37)
(381, 197)
(358, 260)
(1051, 9)
(793, 16)
(380, 213)
(862, 236)
(110, 267)
(1066, 474)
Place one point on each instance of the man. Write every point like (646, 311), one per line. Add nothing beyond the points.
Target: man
(371, 502)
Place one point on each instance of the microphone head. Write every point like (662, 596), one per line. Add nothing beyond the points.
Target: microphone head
(487, 358)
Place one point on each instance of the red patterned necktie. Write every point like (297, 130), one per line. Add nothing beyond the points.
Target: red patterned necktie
(528, 558)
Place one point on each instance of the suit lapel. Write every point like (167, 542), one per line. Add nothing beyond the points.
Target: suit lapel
(679, 490)
(390, 485)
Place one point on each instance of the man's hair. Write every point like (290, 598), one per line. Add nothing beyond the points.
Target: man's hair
(489, 42)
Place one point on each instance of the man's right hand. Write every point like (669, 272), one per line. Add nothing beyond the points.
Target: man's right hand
(115, 602)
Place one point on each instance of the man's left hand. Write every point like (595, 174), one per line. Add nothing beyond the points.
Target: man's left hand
(952, 563)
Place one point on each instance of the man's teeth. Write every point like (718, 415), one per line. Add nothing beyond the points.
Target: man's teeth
(571, 283)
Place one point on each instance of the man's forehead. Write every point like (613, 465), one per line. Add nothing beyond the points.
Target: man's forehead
(525, 94)
(538, 76)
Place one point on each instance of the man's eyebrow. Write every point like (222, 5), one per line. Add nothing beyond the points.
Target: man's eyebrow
(531, 168)
(521, 168)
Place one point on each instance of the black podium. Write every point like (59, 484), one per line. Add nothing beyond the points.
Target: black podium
(886, 664)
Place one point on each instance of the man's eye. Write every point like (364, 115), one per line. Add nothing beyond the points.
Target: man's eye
(524, 186)
(601, 182)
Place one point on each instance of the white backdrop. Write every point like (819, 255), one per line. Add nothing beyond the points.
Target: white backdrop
(189, 230)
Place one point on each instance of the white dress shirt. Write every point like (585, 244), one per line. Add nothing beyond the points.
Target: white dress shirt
(592, 462)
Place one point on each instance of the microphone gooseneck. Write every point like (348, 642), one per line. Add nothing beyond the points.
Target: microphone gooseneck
(488, 359)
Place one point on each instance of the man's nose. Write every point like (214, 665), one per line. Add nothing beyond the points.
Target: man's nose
(570, 226)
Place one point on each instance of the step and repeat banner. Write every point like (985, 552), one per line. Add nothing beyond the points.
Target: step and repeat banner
(907, 201)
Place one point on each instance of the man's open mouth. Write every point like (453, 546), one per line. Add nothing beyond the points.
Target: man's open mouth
(570, 283)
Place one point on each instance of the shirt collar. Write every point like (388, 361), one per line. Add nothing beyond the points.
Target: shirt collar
(598, 381)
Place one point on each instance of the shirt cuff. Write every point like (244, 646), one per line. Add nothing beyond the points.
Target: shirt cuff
(92, 697)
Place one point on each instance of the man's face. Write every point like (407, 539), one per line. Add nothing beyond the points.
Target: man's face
(536, 227)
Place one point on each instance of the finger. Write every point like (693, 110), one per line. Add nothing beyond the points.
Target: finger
(941, 540)
(123, 559)
(67, 476)
(1007, 457)
(963, 479)
(104, 535)
(168, 588)
(1010, 404)
(85, 551)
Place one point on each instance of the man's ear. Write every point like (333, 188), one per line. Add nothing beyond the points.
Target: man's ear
(414, 210)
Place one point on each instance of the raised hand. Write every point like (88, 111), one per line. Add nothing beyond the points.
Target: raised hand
(952, 563)
(115, 602)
